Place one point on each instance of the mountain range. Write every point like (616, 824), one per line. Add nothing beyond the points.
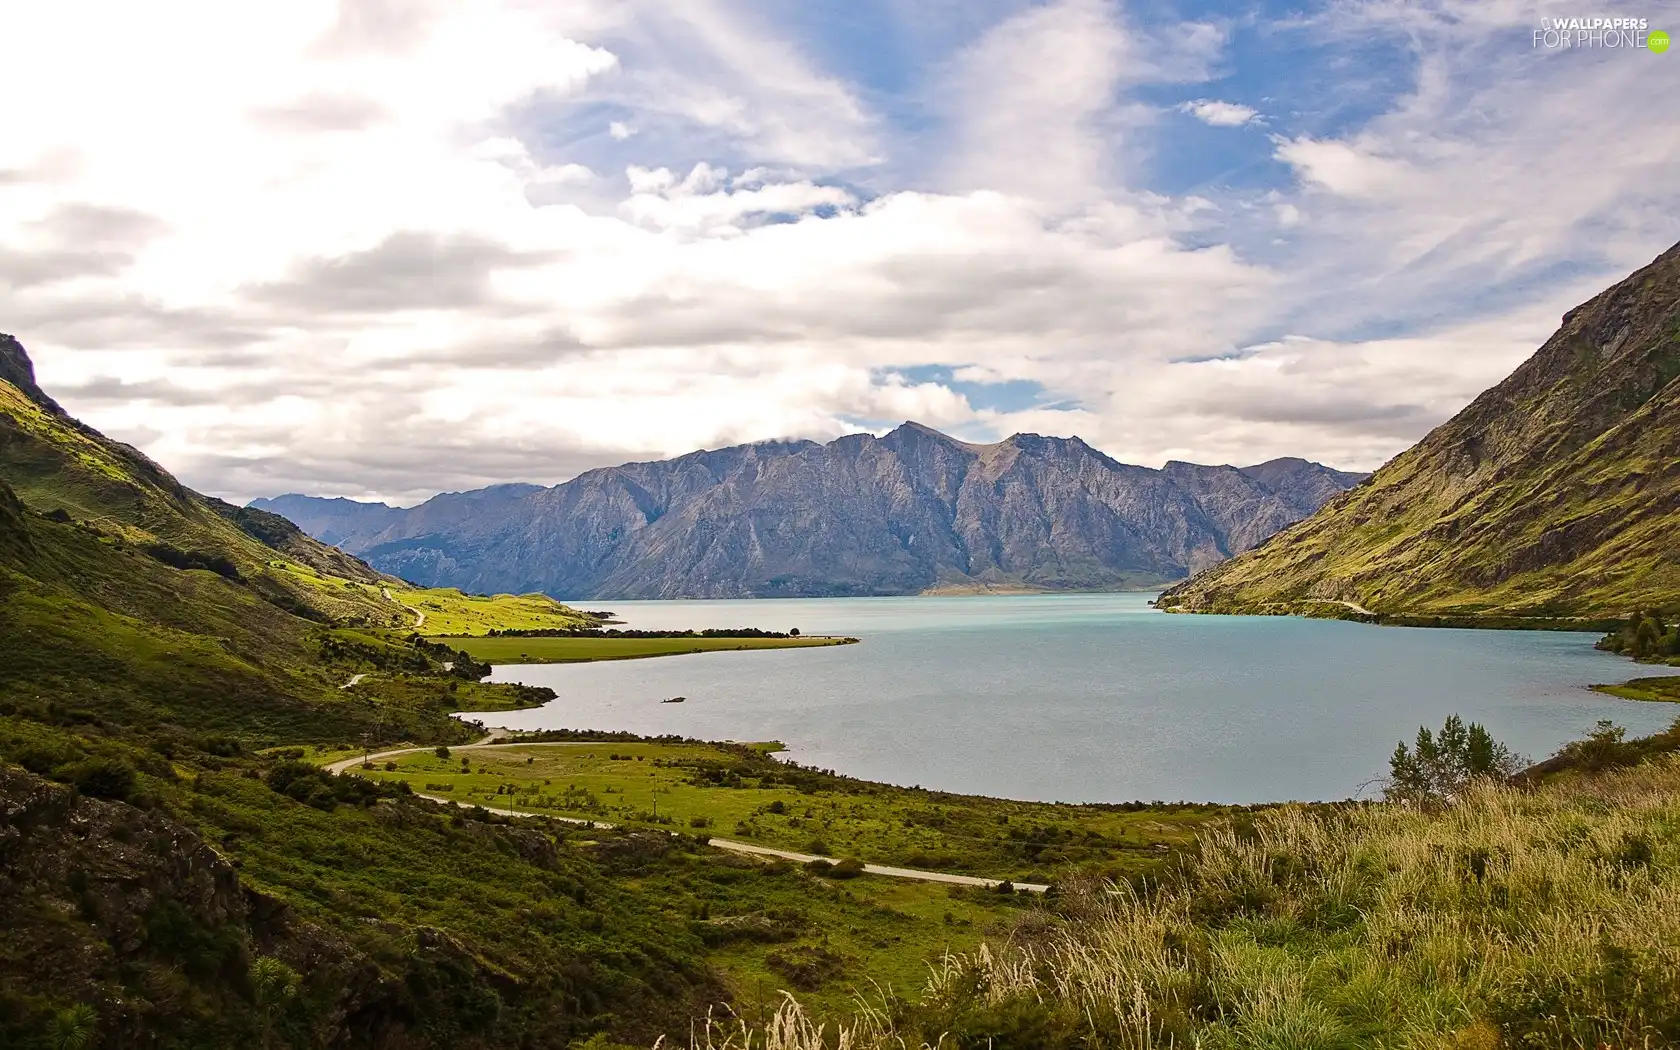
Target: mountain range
(909, 512)
(1555, 493)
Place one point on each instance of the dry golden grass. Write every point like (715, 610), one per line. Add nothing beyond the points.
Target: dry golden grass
(1548, 918)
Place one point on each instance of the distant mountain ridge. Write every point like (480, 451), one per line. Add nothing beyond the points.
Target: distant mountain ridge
(1555, 493)
(911, 511)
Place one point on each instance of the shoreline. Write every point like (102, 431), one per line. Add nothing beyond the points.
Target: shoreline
(503, 651)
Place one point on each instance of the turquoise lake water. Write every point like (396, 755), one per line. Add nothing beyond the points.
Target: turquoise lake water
(1089, 697)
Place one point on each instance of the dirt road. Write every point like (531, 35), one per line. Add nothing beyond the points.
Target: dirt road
(348, 765)
(419, 617)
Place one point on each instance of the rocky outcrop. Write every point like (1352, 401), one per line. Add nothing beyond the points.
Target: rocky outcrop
(131, 913)
(18, 370)
(900, 514)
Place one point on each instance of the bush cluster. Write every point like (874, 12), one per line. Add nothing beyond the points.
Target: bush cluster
(174, 557)
(316, 787)
(1644, 637)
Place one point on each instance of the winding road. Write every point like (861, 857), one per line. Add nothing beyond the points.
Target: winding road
(348, 765)
(419, 617)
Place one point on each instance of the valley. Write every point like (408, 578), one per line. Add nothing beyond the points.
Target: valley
(181, 864)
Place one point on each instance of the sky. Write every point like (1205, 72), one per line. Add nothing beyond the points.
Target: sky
(386, 248)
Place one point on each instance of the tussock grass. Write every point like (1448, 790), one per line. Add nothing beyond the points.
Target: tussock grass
(1546, 918)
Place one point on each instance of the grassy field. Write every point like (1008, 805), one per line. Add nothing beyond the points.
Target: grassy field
(776, 927)
(580, 650)
(740, 793)
(450, 612)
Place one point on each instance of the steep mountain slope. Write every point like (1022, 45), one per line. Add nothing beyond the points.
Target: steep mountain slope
(56, 464)
(1556, 492)
(911, 511)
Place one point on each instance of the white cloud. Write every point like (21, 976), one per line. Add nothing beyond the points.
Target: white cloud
(1220, 114)
(1502, 166)
(620, 130)
(1348, 169)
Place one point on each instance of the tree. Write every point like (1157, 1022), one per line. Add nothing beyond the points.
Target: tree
(1644, 636)
(794, 633)
(1439, 766)
(442, 752)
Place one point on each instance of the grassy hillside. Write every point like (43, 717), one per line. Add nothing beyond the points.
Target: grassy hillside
(163, 883)
(1553, 494)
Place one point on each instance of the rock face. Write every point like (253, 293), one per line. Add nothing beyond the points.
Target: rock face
(18, 370)
(900, 514)
(1557, 492)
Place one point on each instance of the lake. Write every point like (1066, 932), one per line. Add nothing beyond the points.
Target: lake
(1089, 697)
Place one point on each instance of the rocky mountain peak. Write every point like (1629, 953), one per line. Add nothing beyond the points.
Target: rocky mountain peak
(897, 514)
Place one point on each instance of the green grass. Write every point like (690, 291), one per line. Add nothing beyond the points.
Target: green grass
(872, 932)
(450, 612)
(556, 931)
(1661, 690)
(580, 650)
(739, 793)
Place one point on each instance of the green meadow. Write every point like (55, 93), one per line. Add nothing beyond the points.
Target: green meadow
(739, 792)
(1664, 689)
(450, 612)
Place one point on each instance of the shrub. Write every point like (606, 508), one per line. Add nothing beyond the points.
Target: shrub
(1600, 748)
(806, 967)
(850, 868)
(103, 778)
